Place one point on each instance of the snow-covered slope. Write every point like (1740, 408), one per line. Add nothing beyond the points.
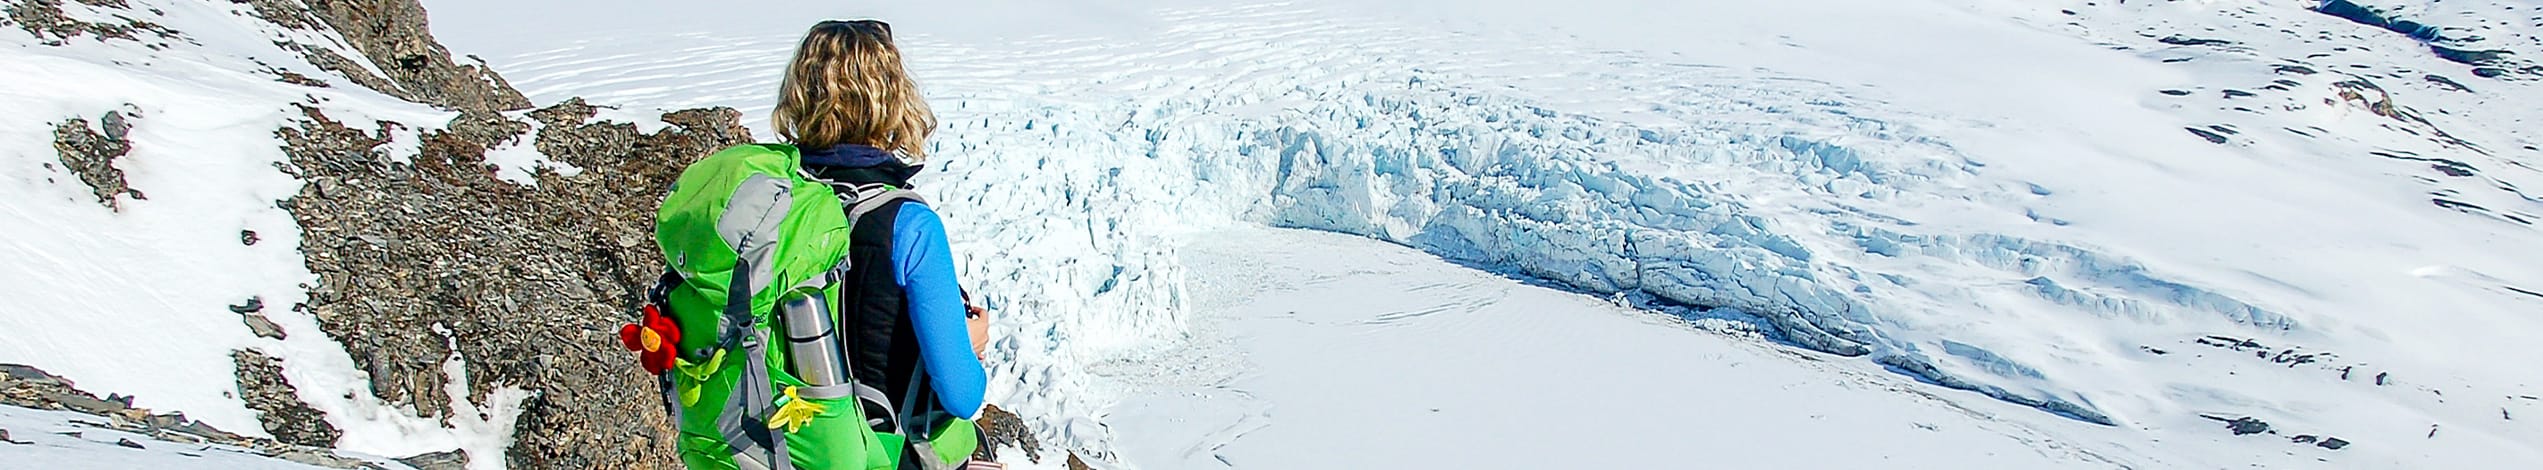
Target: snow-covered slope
(148, 293)
(2137, 214)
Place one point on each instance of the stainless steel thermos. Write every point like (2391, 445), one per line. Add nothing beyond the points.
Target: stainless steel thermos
(812, 339)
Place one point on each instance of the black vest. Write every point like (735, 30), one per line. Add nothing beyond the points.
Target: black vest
(873, 309)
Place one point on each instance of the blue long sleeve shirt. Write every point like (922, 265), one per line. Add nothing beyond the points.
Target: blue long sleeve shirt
(926, 278)
(936, 310)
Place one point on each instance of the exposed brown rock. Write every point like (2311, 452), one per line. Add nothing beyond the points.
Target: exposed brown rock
(45, 20)
(530, 282)
(444, 460)
(285, 13)
(396, 36)
(999, 428)
(277, 403)
(91, 155)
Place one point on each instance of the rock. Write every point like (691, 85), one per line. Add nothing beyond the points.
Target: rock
(321, 458)
(248, 237)
(396, 36)
(2188, 41)
(45, 20)
(277, 404)
(2243, 425)
(28, 373)
(2333, 443)
(4, 437)
(1075, 463)
(2442, 81)
(528, 299)
(445, 460)
(253, 305)
(999, 428)
(128, 443)
(2211, 137)
(263, 327)
(92, 155)
(83, 403)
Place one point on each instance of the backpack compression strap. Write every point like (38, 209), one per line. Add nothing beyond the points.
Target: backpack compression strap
(750, 225)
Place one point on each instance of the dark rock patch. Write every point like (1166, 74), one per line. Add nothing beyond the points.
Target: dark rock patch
(2447, 83)
(2241, 426)
(92, 155)
(444, 460)
(2176, 92)
(45, 20)
(253, 305)
(2230, 94)
(999, 428)
(2459, 206)
(2333, 443)
(395, 32)
(248, 237)
(2345, 9)
(2448, 167)
(2295, 69)
(2485, 58)
(2211, 137)
(2190, 41)
(2538, 295)
(284, 13)
(277, 403)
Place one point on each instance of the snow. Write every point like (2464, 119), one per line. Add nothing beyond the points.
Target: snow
(136, 301)
(1441, 361)
(1992, 196)
(2000, 205)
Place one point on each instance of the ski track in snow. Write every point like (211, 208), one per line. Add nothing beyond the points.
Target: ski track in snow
(1838, 221)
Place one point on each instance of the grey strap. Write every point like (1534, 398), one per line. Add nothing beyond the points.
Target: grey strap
(924, 421)
(744, 423)
(869, 200)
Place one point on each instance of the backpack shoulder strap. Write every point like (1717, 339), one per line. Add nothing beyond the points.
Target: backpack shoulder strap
(860, 200)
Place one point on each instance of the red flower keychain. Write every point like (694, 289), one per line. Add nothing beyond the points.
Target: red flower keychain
(655, 339)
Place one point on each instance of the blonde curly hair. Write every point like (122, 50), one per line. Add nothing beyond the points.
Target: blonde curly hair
(846, 85)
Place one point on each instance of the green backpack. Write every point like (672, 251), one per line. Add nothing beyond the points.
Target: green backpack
(745, 233)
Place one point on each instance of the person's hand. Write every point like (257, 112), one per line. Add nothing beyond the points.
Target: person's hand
(977, 320)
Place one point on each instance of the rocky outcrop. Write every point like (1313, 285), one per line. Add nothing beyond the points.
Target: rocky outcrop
(28, 387)
(45, 20)
(277, 403)
(528, 283)
(999, 429)
(91, 155)
(396, 38)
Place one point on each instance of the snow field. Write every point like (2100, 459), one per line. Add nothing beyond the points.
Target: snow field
(2031, 242)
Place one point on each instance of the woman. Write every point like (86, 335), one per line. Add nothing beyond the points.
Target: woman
(853, 110)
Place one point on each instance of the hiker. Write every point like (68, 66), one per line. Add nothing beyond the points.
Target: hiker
(809, 292)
